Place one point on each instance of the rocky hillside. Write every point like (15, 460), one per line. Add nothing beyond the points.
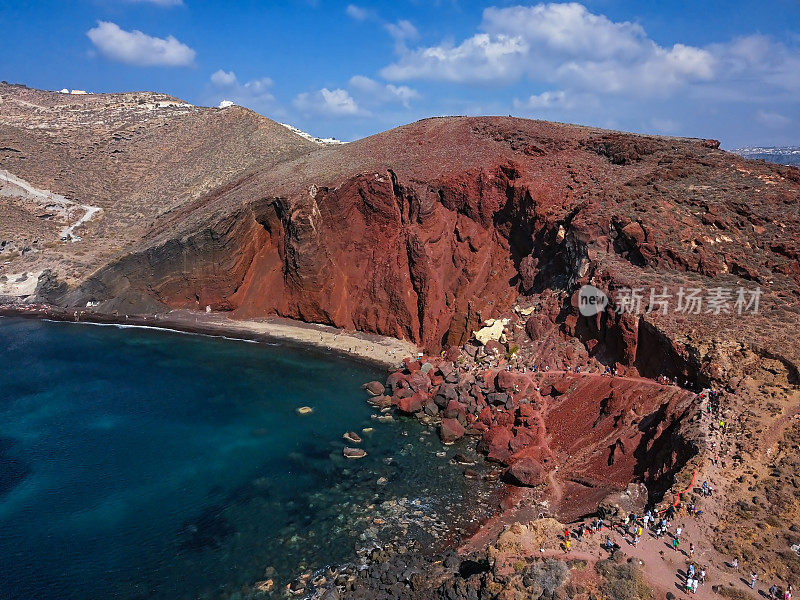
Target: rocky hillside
(422, 232)
(135, 156)
(425, 231)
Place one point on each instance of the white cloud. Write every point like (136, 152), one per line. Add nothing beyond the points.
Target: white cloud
(772, 120)
(222, 78)
(376, 93)
(255, 93)
(480, 59)
(563, 44)
(402, 32)
(545, 100)
(358, 13)
(137, 48)
(335, 103)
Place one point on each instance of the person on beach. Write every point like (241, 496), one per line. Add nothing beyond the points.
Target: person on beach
(676, 544)
(694, 586)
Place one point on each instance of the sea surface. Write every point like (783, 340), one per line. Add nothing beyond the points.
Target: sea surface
(148, 464)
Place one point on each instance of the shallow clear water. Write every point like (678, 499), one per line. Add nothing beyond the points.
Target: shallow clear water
(145, 464)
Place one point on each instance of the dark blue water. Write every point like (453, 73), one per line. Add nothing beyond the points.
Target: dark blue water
(145, 464)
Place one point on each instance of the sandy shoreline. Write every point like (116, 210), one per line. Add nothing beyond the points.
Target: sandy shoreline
(378, 350)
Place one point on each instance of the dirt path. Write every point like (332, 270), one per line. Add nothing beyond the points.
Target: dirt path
(665, 568)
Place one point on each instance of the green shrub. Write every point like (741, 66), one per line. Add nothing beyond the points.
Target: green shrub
(623, 581)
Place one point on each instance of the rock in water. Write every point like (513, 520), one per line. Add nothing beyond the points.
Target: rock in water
(354, 452)
(304, 410)
(451, 430)
(265, 586)
(353, 437)
(375, 388)
(461, 459)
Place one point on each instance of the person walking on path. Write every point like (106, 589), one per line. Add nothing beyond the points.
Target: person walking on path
(676, 543)
(694, 586)
(735, 564)
(691, 550)
(773, 592)
(753, 579)
(678, 532)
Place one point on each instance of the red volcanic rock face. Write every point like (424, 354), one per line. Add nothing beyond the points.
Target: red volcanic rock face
(591, 434)
(526, 472)
(425, 231)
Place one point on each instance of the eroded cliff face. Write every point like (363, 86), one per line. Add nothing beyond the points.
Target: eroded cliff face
(425, 231)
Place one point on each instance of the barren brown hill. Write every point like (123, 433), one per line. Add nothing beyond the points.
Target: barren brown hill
(135, 156)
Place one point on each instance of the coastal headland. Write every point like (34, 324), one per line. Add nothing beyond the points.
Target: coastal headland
(613, 319)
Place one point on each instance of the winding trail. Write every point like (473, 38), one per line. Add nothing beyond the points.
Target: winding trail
(47, 199)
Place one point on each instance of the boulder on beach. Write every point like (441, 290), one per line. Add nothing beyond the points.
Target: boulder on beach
(354, 452)
(526, 472)
(451, 430)
(410, 405)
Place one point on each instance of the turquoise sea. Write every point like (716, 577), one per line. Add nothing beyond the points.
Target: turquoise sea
(149, 464)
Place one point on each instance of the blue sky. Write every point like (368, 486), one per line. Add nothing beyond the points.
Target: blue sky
(723, 69)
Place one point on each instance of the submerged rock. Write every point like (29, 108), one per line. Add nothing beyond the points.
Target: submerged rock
(304, 410)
